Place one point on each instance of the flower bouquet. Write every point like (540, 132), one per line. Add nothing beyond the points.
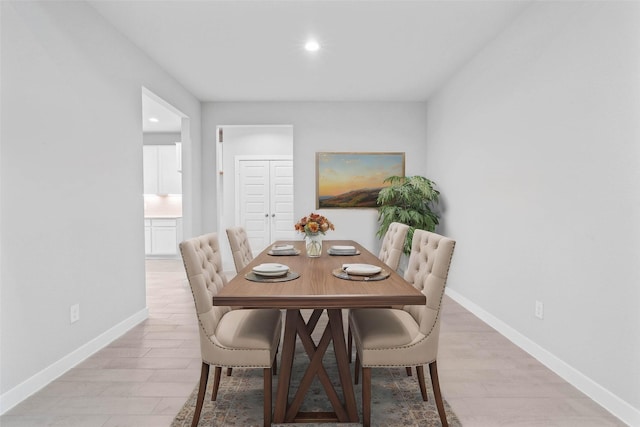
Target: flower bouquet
(313, 226)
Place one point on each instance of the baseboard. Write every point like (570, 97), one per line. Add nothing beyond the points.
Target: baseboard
(25, 389)
(609, 401)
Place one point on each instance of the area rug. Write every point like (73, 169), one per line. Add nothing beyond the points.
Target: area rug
(396, 399)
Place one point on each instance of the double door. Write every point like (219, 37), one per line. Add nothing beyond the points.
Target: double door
(264, 201)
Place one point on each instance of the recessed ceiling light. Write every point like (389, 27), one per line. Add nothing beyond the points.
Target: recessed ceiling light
(153, 119)
(312, 46)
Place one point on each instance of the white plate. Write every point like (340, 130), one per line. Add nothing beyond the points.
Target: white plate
(342, 250)
(361, 269)
(338, 248)
(270, 269)
(338, 253)
(281, 248)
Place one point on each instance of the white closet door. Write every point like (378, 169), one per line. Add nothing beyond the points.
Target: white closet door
(265, 195)
(281, 198)
(254, 202)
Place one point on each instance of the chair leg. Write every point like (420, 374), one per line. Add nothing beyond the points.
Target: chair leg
(202, 388)
(356, 371)
(229, 370)
(216, 382)
(366, 397)
(408, 368)
(433, 371)
(274, 366)
(423, 387)
(349, 344)
(267, 396)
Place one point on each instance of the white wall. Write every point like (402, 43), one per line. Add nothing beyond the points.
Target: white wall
(323, 126)
(535, 145)
(71, 195)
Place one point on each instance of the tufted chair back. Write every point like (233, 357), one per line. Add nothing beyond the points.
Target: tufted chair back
(393, 244)
(203, 265)
(240, 249)
(428, 268)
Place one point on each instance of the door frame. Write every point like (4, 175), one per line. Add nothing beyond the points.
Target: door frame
(224, 176)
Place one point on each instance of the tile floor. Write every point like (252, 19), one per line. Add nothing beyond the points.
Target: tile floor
(143, 378)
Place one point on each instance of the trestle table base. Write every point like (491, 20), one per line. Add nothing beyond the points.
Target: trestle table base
(295, 326)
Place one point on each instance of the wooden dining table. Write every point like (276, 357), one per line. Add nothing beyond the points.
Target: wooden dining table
(319, 289)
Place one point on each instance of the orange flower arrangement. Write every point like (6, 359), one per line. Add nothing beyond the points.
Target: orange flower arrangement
(313, 224)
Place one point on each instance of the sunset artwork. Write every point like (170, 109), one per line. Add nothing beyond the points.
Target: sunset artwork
(353, 180)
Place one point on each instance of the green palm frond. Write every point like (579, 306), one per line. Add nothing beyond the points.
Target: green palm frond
(408, 200)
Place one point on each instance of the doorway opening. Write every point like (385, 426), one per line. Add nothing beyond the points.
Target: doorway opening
(164, 130)
(255, 181)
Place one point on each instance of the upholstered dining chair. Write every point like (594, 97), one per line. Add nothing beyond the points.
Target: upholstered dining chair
(242, 338)
(241, 252)
(393, 244)
(240, 248)
(388, 337)
(390, 253)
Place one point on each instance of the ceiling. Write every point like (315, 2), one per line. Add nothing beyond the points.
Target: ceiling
(392, 50)
(156, 117)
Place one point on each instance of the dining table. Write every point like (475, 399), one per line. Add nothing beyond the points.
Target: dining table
(322, 285)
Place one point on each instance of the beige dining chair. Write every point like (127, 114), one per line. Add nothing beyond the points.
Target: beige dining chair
(393, 244)
(239, 338)
(391, 337)
(240, 248)
(390, 253)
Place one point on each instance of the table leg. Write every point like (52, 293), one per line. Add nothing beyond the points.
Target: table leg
(313, 320)
(286, 365)
(342, 359)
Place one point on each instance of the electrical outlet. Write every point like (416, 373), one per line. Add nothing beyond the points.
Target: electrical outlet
(74, 313)
(539, 310)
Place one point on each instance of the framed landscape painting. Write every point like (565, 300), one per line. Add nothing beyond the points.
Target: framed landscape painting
(353, 180)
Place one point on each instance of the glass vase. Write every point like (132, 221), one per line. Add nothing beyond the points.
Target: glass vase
(314, 245)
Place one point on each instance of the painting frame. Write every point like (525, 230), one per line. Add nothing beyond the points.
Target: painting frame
(352, 180)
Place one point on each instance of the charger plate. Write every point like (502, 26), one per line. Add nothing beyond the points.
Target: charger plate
(292, 252)
(291, 275)
(340, 273)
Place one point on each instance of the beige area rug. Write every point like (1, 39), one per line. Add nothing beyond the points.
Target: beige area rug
(396, 399)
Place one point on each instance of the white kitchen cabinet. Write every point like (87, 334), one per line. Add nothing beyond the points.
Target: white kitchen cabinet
(147, 236)
(163, 240)
(161, 174)
(161, 236)
(169, 179)
(150, 168)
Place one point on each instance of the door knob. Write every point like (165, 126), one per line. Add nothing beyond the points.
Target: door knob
(266, 215)
(273, 215)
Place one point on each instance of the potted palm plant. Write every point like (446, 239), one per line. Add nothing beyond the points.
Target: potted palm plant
(409, 200)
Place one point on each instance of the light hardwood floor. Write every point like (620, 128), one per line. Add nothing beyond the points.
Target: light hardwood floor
(143, 378)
